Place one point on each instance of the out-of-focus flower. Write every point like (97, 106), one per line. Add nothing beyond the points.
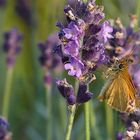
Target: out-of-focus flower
(12, 46)
(129, 118)
(105, 32)
(4, 130)
(125, 39)
(132, 125)
(133, 132)
(137, 136)
(23, 9)
(119, 136)
(47, 79)
(67, 91)
(2, 3)
(49, 59)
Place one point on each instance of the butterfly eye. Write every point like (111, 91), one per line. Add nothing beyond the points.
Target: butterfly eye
(120, 66)
(130, 60)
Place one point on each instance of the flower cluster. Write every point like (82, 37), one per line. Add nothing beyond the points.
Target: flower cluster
(125, 39)
(49, 60)
(83, 38)
(67, 91)
(12, 46)
(132, 123)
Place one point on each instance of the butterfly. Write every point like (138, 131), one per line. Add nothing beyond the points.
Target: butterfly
(119, 90)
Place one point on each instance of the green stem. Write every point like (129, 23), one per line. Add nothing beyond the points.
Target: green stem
(109, 122)
(85, 0)
(49, 112)
(70, 122)
(93, 121)
(63, 114)
(7, 93)
(138, 11)
(87, 120)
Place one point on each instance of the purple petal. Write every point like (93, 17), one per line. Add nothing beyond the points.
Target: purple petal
(71, 100)
(82, 98)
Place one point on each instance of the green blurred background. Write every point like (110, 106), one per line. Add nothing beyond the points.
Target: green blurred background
(36, 20)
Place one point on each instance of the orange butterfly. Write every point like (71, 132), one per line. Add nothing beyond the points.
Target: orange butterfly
(119, 90)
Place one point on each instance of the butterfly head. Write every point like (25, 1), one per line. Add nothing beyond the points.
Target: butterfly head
(122, 63)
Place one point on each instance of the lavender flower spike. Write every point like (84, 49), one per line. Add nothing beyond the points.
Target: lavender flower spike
(12, 46)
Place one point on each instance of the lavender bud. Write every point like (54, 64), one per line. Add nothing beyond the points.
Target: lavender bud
(12, 46)
(66, 91)
(83, 95)
(69, 13)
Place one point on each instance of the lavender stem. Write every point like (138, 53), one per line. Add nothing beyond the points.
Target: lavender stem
(70, 122)
(95, 129)
(49, 112)
(7, 93)
(87, 120)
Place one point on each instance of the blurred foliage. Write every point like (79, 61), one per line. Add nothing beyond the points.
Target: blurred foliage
(27, 106)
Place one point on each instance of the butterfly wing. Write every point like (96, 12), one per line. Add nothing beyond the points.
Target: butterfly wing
(119, 92)
(138, 101)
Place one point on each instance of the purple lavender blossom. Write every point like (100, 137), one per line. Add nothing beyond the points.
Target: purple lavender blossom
(131, 122)
(2, 3)
(72, 31)
(12, 46)
(75, 67)
(119, 136)
(23, 9)
(72, 48)
(84, 37)
(137, 136)
(125, 39)
(49, 59)
(105, 32)
(70, 38)
(3, 128)
(47, 79)
(136, 77)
